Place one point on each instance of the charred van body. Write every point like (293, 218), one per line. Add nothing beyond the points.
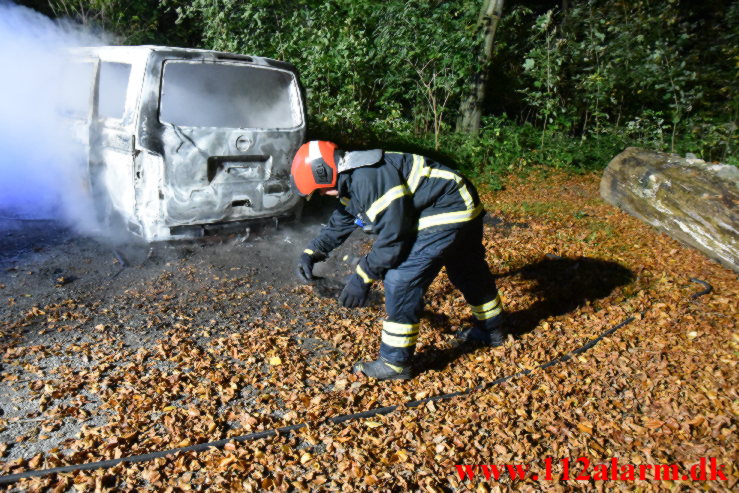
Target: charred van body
(179, 140)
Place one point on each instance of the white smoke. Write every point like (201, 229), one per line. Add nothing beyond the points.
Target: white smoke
(42, 168)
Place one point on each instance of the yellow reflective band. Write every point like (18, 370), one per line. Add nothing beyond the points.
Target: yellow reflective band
(401, 329)
(418, 171)
(488, 310)
(367, 279)
(466, 196)
(442, 173)
(344, 201)
(448, 175)
(397, 369)
(489, 314)
(397, 341)
(449, 218)
(383, 202)
(487, 306)
(308, 251)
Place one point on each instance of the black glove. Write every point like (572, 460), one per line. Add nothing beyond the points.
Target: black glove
(305, 265)
(355, 292)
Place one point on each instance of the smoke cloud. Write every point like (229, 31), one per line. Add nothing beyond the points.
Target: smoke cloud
(42, 167)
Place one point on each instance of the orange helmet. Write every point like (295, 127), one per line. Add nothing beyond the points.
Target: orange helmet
(314, 167)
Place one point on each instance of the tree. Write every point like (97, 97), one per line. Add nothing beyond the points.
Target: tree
(126, 22)
(471, 109)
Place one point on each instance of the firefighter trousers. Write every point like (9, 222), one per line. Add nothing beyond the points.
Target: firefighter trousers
(462, 253)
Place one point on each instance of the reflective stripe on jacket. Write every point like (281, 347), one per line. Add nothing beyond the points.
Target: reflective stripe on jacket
(401, 196)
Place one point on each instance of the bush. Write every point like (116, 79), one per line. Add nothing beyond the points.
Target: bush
(567, 88)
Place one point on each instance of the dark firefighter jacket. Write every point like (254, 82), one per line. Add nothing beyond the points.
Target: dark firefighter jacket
(398, 198)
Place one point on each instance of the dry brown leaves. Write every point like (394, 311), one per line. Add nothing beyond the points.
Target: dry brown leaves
(228, 358)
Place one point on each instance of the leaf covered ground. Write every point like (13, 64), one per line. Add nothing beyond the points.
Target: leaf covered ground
(206, 344)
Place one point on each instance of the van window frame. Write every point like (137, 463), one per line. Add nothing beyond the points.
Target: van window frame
(296, 102)
(89, 108)
(129, 101)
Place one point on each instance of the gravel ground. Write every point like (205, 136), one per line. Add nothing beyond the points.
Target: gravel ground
(46, 264)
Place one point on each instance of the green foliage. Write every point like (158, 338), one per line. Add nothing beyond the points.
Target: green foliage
(544, 66)
(604, 66)
(511, 147)
(579, 85)
(130, 22)
(383, 66)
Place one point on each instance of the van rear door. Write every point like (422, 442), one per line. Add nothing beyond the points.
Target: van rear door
(229, 131)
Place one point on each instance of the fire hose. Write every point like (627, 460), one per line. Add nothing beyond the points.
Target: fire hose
(287, 430)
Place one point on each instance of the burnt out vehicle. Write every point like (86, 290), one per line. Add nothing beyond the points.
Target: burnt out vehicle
(180, 141)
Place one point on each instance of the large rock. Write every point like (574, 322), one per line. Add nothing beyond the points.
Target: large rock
(693, 201)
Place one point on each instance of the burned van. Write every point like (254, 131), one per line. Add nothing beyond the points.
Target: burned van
(181, 140)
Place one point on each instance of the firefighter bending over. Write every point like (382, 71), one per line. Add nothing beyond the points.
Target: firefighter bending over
(425, 216)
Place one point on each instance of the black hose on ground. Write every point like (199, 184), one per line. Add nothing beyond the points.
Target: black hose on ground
(708, 288)
(286, 430)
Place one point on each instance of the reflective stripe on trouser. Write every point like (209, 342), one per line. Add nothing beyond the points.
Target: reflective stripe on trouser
(488, 310)
(462, 253)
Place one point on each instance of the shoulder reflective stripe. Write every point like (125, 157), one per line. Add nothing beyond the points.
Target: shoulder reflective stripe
(449, 218)
(396, 341)
(383, 202)
(361, 273)
(466, 196)
(308, 251)
(400, 329)
(344, 201)
(448, 175)
(418, 171)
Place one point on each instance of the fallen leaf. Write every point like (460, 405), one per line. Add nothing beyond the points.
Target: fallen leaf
(585, 427)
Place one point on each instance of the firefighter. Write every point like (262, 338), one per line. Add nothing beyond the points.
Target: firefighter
(425, 216)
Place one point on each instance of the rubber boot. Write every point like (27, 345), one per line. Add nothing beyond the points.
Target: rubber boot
(381, 369)
(484, 333)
